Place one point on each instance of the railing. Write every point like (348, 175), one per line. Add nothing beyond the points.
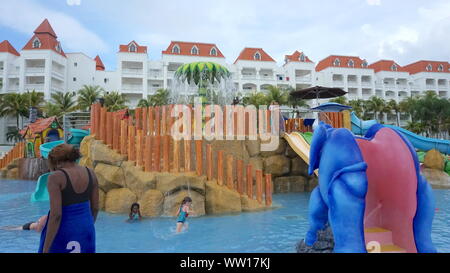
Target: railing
(155, 75)
(38, 69)
(37, 87)
(132, 71)
(17, 152)
(147, 142)
(133, 88)
(303, 78)
(249, 77)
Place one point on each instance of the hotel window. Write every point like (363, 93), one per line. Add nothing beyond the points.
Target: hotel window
(58, 47)
(351, 63)
(213, 52)
(194, 50)
(75, 64)
(337, 62)
(36, 43)
(364, 64)
(394, 67)
(74, 79)
(132, 48)
(176, 49)
(440, 68)
(257, 56)
(429, 67)
(105, 80)
(302, 58)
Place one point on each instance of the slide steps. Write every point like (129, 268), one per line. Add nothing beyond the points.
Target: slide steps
(384, 238)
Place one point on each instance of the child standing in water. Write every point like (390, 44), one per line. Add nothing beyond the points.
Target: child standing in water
(135, 213)
(183, 213)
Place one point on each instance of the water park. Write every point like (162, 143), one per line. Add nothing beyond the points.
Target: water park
(258, 179)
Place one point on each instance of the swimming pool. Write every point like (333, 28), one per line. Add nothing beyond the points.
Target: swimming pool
(276, 230)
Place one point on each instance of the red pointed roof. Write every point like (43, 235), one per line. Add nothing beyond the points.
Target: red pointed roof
(204, 49)
(99, 64)
(344, 62)
(139, 49)
(295, 57)
(47, 38)
(5, 46)
(421, 66)
(386, 65)
(39, 125)
(248, 54)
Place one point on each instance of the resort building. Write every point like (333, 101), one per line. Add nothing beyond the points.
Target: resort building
(42, 65)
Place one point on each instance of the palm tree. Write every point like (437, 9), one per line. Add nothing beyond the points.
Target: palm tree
(255, 99)
(357, 107)
(341, 100)
(392, 105)
(296, 103)
(13, 135)
(144, 102)
(376, 105)
(51, 110)
(87, 96)
(13, 105)
(277, 95)
(64, 101)
(115, 101)
(34, 99)
(161, 97)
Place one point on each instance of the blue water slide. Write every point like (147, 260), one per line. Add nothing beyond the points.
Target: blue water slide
(76, 136)
(48, 146)
(359, 126)
(41, 193)
(424, 143)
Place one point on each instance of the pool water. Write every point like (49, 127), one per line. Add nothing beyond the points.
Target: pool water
(275, 230)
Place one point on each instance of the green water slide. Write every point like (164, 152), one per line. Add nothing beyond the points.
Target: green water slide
(307, 136)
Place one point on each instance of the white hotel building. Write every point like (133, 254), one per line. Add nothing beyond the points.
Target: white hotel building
(42, 65)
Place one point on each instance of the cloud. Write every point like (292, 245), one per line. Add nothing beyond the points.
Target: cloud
(72, 34)
(374, 2)
(73, 2)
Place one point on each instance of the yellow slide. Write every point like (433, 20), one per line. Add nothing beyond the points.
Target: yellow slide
(299, 145)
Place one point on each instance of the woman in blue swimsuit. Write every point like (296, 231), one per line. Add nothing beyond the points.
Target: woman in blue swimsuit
(183, 213)
(135, 213)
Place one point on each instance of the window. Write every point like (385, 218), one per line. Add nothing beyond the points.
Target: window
(440, 68)
(351, 63)
(58, 47)
(213, 51)
(394, 67)
(176, 49)
(364, 64)
(75, 64)
(132, 48)
(105, 80)
(257, 56)
(337, 62)
(194, 50)
(302, 58)
(429, 67)
(36, 43)
(74, 79)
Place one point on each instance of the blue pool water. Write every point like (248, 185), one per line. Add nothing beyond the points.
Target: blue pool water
(276, 230)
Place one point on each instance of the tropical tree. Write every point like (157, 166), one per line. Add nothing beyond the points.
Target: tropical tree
(341, 100)
(13, 135)
(297, 103)
(13, 105)
(376, 105)
(34, 99)
(64, 101)
(255, 99)
(277, 95)
(392, 105)
(87, 96)
(161, 97)
(50, 110)
(358, 106)
(115, 101)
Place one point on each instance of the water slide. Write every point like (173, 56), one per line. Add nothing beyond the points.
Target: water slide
(300, 143)
(359, 126)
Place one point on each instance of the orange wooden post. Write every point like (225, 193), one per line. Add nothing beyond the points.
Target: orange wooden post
(151, 121)
(220, 167)
(138, 117)
(176, 156)
(123, 137)
(239, 174)
(157, 155)
(209, 162)
(170, 119)
(259, 178)
(187, 156)
(230, 178)
(249, 181)
(157, 120)
(166, 153)
(268, 194)
(163, 119)
(145, 121)
(148, 153)
(139, 147)
(92, 119)
(199, 157)
(109, 128)
(103, 124)
(269, 130)
(131, 143)
(224, 122)
(117, 131)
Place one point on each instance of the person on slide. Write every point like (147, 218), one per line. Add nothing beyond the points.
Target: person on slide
(37, 226)
(73, 192)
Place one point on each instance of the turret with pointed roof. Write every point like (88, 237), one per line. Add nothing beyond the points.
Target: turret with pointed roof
(5, 46)
(99, 64)
(44, 38)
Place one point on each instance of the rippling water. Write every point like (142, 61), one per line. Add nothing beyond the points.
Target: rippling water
(276, 230)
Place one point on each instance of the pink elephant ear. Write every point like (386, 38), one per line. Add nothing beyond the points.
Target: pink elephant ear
(318, 140)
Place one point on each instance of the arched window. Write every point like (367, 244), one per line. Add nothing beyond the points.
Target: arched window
(257, 56)
(394, 67)
(364, 64)
(36, 43)
(429, 67)
(337, 62)
(440, 68)
(351, 63)
(176, 49)
(58, 47)
(132, 48)
(302, 57)
(213, 52)
(194, 50)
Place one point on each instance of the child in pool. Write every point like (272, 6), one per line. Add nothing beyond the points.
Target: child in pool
(183, 213)
(36, 226)
(135, 213)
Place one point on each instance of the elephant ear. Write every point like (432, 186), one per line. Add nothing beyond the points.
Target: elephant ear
(318, 140)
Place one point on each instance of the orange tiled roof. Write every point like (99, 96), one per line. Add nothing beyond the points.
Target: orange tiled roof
(248, 54)
(421, 66)
(44, 32)
(344, 60)
(99, 64)
(295, 57)
(39, 125)
(204, 49)
(5, 46)
(386, 65)
(139, 49)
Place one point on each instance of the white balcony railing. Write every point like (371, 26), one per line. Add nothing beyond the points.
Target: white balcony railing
(248, 77)
(352, 84)
(132, 88)
(430, 87)
(303, 78)
(136, 71)
(35, 86)
(35, 69)
(155, 74)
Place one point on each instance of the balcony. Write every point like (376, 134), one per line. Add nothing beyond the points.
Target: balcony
(303, 79)
(352, 84)
(35, 69)
(35, 86)
(249, 76)
(366, 83)
(430, 87)
(132, 71)
(132, 88)
(266, 78)
(155, 74)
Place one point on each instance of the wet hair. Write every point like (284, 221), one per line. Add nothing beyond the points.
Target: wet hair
(186, 200)
(133, 205)
(63, 153)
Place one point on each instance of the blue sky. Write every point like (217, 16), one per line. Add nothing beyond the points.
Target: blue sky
(403, 30)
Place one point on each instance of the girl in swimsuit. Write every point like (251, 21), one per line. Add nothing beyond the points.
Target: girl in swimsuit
(183, 213)
(135, 213)
(36, 226)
